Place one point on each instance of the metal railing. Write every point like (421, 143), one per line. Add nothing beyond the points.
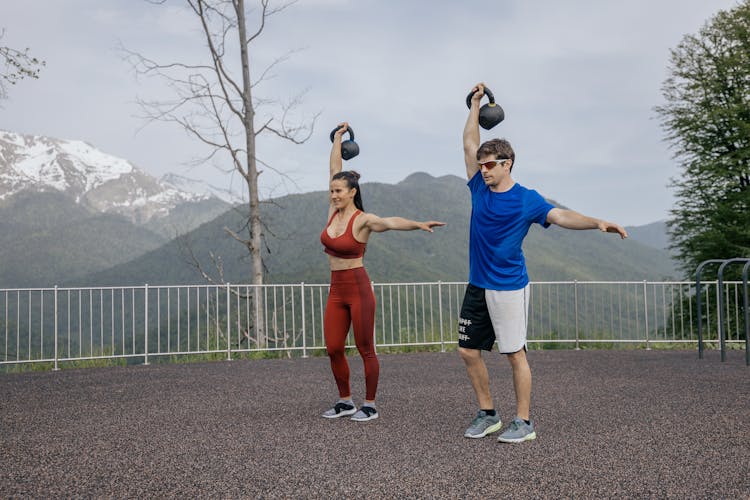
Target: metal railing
(143, 323)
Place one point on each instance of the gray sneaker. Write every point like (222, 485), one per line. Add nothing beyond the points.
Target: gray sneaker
(365, 413)
(517, 432)
(340, 409)
(482, 425)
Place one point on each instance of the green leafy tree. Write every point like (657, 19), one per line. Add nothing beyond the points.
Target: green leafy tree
(707, 120)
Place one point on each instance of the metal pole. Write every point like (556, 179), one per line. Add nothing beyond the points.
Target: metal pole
(575, 294)
(304, 336)
(145, 322)
(374, 337)
(698, 311)
(645, 313)
(440, 312)
(56, 365)
(229, 327)
(747, 315)
(722, 314)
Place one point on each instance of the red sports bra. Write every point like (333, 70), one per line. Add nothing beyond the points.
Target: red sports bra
(344, 246)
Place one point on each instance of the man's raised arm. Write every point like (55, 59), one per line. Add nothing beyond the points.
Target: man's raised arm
(471, 132)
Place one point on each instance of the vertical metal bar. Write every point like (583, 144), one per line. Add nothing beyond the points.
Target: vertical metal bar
(312, 313)
(132, 318)
(747, 314)
(575, 298)
(41, 324)
(187, 306)
(283, 315)
(645, 312)
(304, 334)
(67, 310)
(698, 308)
(440, 312)
(91, 322)
(5, 358)
(158, 320)
(374, 337)
(112, 319)
(101, 321)
(239, 320)
(56, 332)
(18, 325)
(198, 319)
(265, 315)
(145, 323)
(229, 326)
(179, 322)
(218, 296)
(722, 313)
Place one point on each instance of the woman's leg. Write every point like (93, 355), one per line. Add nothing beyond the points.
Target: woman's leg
(363, 321)
(335, 329)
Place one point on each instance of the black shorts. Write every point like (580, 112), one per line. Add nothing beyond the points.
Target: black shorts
(474, 324)
(489, 316)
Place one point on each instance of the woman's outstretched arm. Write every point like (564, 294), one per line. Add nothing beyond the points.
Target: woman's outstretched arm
(381, 224)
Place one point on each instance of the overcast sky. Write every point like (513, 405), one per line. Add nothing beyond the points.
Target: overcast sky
(577, 79)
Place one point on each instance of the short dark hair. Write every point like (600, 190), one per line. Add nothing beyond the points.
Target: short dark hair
(352, 181)
(501, 148)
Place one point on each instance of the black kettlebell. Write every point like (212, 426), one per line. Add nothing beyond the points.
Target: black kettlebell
(349, 149)
(490, 114)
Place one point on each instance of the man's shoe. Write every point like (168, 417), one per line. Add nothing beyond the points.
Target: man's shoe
(365, 413)
(340, 409)
(482, 425)
(517, 432)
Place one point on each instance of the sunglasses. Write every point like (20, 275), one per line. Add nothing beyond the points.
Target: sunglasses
(489, 165)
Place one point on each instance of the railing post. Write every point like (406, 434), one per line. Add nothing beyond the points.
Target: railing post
(304, 333)
(145, 323)
(722, 305)
(645, 313)
(575, 298)
(722, 315)
(374, 337)
(229, 325)
(56, 368)
(698, 301)
(440, 315)
(747, 314)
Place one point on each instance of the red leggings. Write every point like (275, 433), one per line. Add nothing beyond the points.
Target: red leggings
(351, 302)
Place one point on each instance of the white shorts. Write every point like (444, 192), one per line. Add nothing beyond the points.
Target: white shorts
(489, 316)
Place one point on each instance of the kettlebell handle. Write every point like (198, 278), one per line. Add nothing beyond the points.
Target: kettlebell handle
(348, 129)
(487, 92)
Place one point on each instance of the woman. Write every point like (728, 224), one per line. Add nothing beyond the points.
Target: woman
(351, 300)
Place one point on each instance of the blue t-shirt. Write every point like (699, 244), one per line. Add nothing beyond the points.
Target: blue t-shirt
(499, 223)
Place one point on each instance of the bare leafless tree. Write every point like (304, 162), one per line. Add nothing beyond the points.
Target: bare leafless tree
(15, 65)
(215, 103)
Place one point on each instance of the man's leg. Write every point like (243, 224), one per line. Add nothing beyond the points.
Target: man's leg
(475, 334)
(521, 428)
(480, 379)
(521, 382)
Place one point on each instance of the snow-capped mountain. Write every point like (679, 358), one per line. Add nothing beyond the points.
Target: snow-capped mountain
(182, 183)
(96, 180)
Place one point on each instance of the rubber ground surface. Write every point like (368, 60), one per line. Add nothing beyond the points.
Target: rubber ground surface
(614, 423)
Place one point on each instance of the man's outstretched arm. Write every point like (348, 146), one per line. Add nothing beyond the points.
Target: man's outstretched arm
(570, 219)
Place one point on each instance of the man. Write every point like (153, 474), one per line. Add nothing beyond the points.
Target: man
(495, 306)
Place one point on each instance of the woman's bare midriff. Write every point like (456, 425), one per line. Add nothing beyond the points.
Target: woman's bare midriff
(339, 264)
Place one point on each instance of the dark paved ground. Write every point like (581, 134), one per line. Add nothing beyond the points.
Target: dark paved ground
(610, 423)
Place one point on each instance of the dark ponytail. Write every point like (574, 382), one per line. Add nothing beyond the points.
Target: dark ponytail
(352, 181)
